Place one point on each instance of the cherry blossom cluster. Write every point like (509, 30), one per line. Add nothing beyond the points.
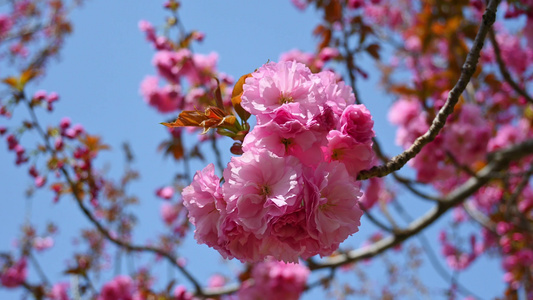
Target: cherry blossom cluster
(182, 69)
(275, 280)
(489, 118)
(293, 192)
(23, 41)
(386, 13)
(464, 140)
(315, 62)
(14, 275)
(455, 257)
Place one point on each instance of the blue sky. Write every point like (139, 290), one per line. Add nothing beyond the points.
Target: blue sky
(98, 76)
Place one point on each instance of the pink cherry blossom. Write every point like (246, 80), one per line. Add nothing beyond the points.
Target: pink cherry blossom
(74, 131)
(300, 4)
(406, 135)
(275, 280)
(374, 192)
(216, 280)
(39, 95)
(65, 123)
(43, 243)
(15, 275)
(328, 53)
(526, 204)
(332, 92)
(204, 69)
(529, 33)
(387, 15)
(515, 54)
(166, 192)
(40, 181)
(457, 259)
(59, 291)
(169, 213)
(5, 25)
(259, 186)
(331, 202)
(159, 42)
(467, 138)
(172, 65)
(413, 43)
(509, 134)
(166, 99)
(278, 84)
(285, 134)
(355, 4)
(403, 111)
(289, 194)
(181, 293)
(203, 199)
(299, 56)
(356, 122)
(344, 148)
(119, 288)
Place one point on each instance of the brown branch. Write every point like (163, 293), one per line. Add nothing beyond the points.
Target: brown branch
(441, 271)
(36, 290)
(38, 269)
(350, 65)
(126, 245)
(521, 185)
(349, 58)
(409, 185)
(458, 165)
(503, 69)
(375, 221)
(468, 69)
(497, 162)
(479, 217)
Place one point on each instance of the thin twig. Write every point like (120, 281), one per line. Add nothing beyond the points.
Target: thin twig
(521, 185)
(503, 69)
(350, 65)
(479, 217)
(458, 165)
(409, 185)
(350, 68)
(375, 221)
(321, 280)
(170, 257)
(38, 268)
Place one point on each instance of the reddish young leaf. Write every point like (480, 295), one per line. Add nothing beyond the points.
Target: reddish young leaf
(213, 117)
(373, 50)
(236, 98)
(333, 11)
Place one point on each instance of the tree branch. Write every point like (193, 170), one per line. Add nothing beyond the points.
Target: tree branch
(468, 69)
(497, 161)
(479, 217)
(409, 185)
(169, 256)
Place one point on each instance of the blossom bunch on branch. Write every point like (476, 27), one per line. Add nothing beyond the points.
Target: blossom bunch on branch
(293, 192)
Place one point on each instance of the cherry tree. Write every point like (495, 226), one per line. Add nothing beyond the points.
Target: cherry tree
(292, 164)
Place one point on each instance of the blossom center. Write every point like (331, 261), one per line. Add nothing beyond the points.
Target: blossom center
(265, 190)
(284, 99)
(337, 154)
(287, 143)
